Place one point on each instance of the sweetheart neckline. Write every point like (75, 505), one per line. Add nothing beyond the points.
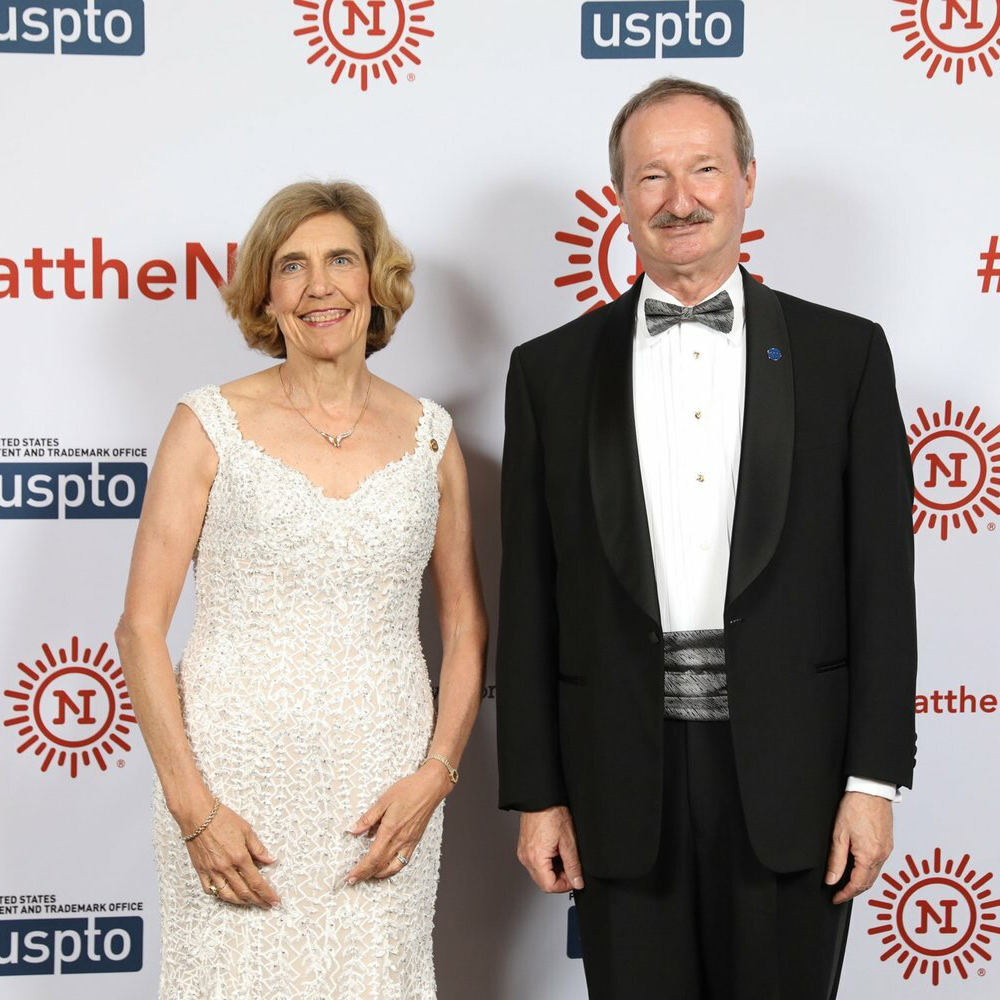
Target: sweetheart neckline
(298, 473)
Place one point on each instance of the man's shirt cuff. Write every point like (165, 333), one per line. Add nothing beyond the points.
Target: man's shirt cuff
(883, 789)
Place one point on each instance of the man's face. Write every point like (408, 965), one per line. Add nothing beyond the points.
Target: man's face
(683, 194)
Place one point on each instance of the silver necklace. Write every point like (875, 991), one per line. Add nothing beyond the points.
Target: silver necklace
(334, 439)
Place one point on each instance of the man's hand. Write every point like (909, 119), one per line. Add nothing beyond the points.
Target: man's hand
(863, 828)
(547, 848)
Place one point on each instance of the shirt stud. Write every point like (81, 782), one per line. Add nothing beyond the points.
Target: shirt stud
(434, 444)
(700, 478)
(697, 414)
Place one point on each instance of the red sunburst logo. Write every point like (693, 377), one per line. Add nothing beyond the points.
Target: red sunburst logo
(936, 918)
(956, 36)
(367, 39)
(71, 707)
(602, 259)
(956, 469)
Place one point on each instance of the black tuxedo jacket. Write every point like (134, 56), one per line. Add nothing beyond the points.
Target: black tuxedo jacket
(819, 615)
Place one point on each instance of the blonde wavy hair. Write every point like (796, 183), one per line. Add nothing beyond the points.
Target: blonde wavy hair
(389, 263)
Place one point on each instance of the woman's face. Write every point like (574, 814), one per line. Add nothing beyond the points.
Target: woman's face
(319, 289)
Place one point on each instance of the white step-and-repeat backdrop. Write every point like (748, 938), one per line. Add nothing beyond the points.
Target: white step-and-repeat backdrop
(140, 141)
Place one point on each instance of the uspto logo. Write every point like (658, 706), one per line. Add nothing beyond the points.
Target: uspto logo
(74, 27)
(602, 258)
(956, 469)
(71, 707)
(955, 36)
(936, 919)
(71, 490)
(367, 39)
(657, 29)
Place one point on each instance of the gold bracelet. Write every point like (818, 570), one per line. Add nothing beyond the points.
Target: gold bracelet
(204, 826)
(452, 773)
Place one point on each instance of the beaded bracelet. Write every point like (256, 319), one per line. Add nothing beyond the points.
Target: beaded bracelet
(204, 826)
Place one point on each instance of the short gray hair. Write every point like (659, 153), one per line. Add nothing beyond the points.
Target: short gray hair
(663, 90)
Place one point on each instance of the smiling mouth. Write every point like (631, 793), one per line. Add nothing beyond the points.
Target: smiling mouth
(323, 317)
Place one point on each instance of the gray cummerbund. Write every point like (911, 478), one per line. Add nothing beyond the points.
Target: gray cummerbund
(694, 676)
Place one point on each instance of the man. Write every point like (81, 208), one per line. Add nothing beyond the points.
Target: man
(707, 650)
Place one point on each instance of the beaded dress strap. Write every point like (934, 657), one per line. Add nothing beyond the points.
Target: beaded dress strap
(215, 414)
(434, 429)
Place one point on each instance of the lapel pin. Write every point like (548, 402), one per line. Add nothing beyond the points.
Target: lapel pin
(774, 354)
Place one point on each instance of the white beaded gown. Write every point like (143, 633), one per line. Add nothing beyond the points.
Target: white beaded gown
(305, 695)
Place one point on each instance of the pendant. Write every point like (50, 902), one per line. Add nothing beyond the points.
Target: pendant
(336, 439)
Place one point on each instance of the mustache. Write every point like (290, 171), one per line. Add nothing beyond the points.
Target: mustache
(666, 219)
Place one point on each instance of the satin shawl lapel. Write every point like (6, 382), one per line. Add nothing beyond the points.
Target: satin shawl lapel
(768, 436)
(615, 477)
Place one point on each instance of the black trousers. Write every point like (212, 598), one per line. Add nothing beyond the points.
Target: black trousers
(709, 922)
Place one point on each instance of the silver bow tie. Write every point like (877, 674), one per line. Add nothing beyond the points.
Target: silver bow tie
(716, 312)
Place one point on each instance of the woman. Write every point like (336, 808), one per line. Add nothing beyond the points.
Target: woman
(299, 731)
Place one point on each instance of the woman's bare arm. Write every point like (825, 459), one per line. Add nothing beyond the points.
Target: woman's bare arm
(226, 855)
(172, 515)
(461, 611)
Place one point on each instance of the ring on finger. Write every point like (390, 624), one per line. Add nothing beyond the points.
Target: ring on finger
(403, 860)
(216, 889)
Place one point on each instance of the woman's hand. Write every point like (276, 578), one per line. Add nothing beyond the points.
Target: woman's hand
(226, 854)
(398, 821)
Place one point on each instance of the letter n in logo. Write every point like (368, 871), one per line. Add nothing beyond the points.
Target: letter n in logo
(945, 924)
(355, 14)
(937, 465)
(970, 19)
(82, 711)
